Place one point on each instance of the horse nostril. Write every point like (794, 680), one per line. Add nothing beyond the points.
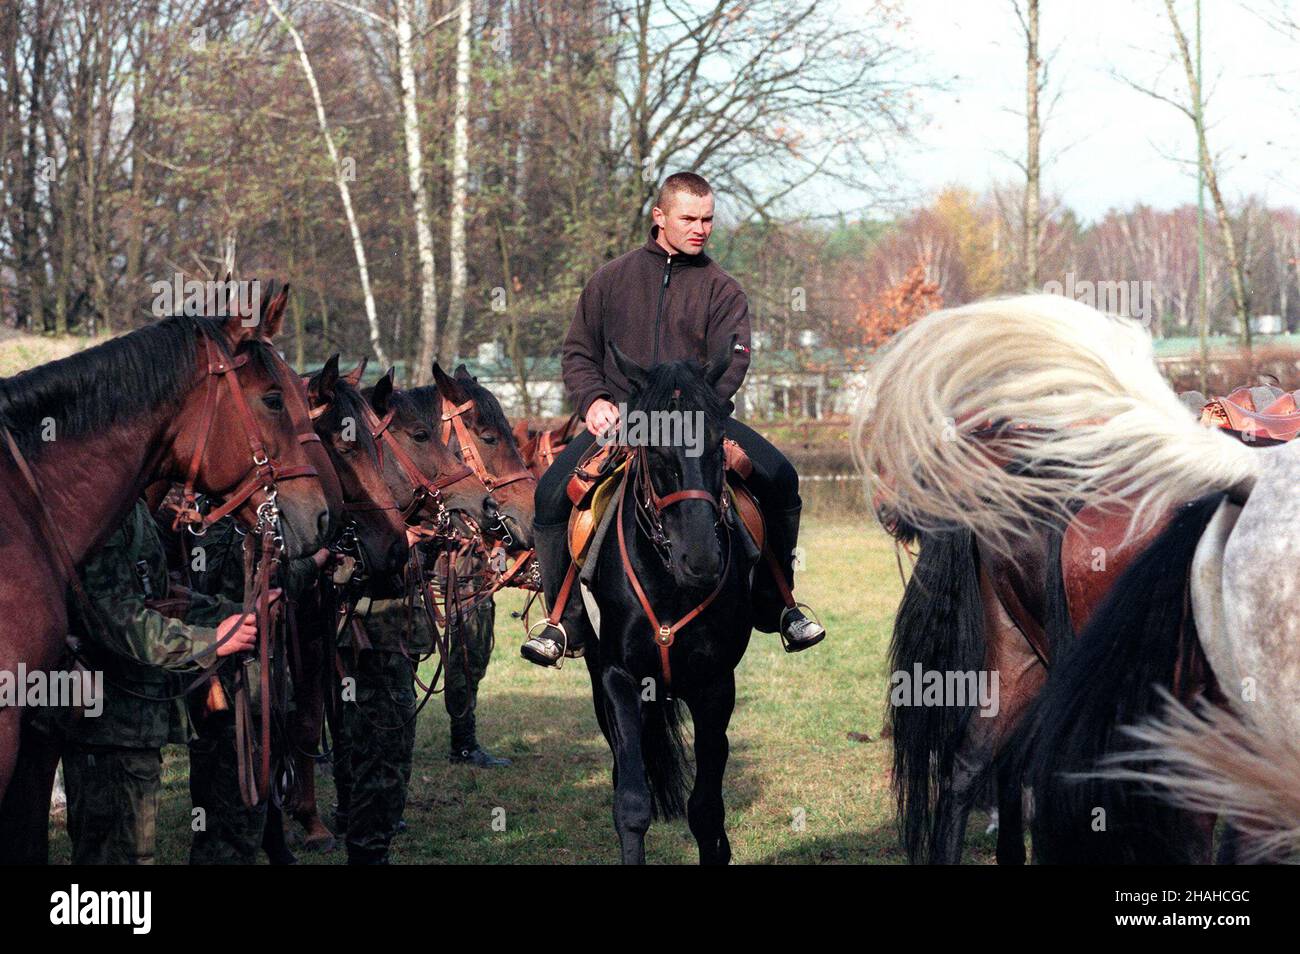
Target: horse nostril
(491, 506)
(323, 525)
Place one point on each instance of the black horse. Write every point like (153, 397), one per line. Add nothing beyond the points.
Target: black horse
(673, 567)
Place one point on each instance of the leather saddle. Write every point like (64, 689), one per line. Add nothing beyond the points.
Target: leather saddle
(595, 481)
(1240, 412)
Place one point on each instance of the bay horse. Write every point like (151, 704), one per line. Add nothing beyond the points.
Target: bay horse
(425, 486)
(1089, 422)
(539, 446)
(199, 400)
(669, 596)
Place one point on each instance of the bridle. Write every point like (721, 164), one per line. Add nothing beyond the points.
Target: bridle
(266, 472)
(452, 422)
(650, 505)
(426, 495)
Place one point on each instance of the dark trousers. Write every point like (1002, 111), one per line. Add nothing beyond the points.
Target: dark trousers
(774, 482)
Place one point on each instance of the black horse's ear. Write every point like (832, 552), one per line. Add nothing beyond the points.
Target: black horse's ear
(381, 398)
(448, 387)
(636, 375)
(320, 389)
(462, 373)
(718, 364)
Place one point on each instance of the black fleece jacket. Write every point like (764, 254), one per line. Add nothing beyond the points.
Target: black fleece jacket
(656, 308)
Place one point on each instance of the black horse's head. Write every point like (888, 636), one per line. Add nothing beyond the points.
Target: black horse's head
(676, 416)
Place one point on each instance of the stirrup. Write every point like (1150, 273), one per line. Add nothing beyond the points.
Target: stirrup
(812, 616)
(545, 624)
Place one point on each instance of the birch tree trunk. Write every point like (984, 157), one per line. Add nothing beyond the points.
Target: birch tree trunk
(450, 350)
(422, 372)
(341, 180)
(1236, 265)
(1033, 68)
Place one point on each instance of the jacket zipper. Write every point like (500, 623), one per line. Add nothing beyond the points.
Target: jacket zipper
(659, 310)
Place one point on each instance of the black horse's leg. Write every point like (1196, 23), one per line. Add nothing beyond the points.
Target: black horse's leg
(955, 801)
(711, 711)
(1011, 826)
(631, 790)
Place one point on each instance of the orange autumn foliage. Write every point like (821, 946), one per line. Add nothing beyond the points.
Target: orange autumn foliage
(893, 309)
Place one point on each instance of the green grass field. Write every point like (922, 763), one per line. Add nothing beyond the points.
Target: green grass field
(794, 748)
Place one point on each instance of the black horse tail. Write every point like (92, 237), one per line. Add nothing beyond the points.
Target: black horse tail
(939, 627)
(664, 751)
(1143, 636)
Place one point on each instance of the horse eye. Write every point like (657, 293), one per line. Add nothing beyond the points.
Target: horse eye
(488, 438)
(273, 400)
(420, 436)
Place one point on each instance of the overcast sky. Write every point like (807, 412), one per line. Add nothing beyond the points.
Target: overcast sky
(1110, 145)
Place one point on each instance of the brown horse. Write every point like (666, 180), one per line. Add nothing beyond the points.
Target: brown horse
(428, 487)
(970, 607)
(198, 400)
(540, 446)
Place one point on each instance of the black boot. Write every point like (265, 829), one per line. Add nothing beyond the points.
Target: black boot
(465, 749)
(798, 631)
(546, 643)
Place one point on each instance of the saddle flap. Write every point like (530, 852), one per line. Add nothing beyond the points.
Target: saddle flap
(594, 465)
(586, 514)
(748, 510)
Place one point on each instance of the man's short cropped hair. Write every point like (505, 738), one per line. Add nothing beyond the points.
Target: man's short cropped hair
(687, 182)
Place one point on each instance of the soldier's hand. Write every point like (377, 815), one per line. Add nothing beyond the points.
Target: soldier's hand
(601, 416)
(244, 630)
(321, 557)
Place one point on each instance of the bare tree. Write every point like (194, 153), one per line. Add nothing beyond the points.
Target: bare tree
(340, 180)
(1209, 165)
(1034, 80)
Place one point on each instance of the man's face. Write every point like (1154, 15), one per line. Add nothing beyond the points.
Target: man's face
(687, 223)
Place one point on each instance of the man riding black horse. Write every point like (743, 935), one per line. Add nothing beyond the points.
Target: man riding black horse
(665, 301)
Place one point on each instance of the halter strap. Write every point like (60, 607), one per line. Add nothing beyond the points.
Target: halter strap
(469, 450)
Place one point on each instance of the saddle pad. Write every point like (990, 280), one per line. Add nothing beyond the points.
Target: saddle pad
(584, 520)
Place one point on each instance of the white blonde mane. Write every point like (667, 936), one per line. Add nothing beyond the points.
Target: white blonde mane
(1222, 763)
(1091, 421)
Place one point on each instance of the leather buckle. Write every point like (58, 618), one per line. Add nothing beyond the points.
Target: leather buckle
(665, 636)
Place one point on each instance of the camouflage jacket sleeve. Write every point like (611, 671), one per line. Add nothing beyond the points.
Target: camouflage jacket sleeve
(121, 578)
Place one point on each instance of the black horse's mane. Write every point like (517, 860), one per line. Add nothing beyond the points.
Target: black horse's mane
(113, 382)
(680, 384)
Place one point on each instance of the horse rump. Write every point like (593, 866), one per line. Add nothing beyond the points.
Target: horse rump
(1140, 641)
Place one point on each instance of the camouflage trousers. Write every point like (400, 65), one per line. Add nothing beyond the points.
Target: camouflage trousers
(471, 650)
(112, 804)
(372, 754)
(226, 831)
